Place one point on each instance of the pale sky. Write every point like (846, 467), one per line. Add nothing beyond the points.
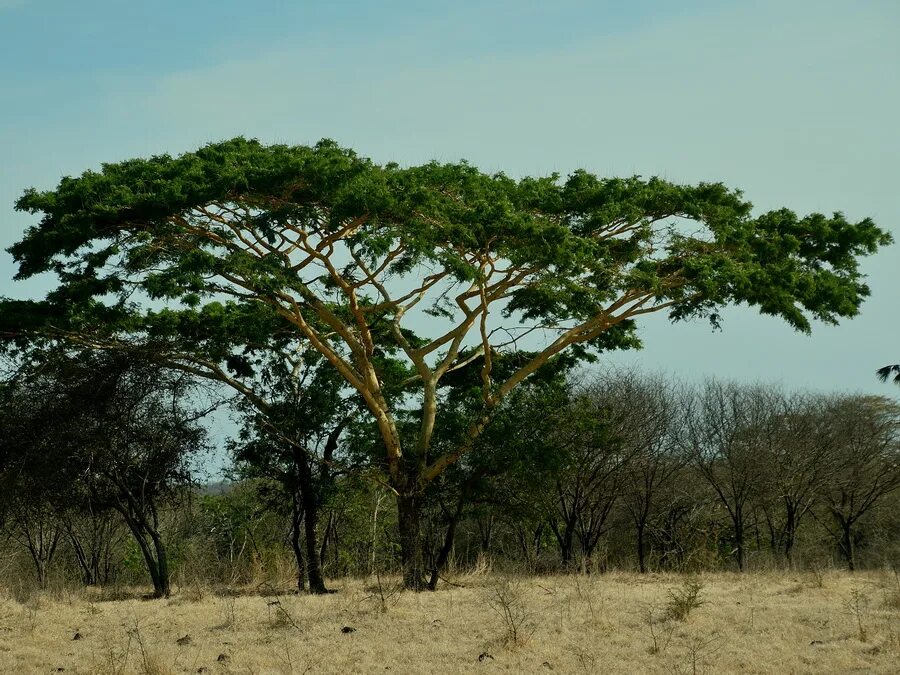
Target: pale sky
(796, 102)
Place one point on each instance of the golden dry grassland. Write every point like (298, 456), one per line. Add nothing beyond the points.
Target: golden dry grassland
(614, 623)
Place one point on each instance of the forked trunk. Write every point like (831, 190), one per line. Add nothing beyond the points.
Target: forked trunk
(309, 503)
(154, 551)
(847, 547)
(440, 563)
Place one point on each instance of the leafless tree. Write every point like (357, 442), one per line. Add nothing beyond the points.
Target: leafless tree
(648, 416)
(801, 463)
(728, 427)
(866, 465)
(599, 437)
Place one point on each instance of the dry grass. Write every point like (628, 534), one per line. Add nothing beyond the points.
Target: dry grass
(615, 623)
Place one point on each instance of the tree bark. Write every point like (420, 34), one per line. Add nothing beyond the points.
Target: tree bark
(154, 553)
(443, 555)
(296, 518)
(88, 566)
(641, 546)
(310, 504)
(565, 538)
(790, 532)
(409, 521)
(739, 539)
(847, 551)
(313, 562)
(162, 562)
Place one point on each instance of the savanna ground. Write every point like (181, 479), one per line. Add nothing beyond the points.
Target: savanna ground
(811, 622)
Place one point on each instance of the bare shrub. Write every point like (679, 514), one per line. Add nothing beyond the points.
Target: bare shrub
(507, 600)
(279, 616)
(892, 592)
(151, 663)
(661, 630)
(857, 605)
(114, 658)
(226, 606)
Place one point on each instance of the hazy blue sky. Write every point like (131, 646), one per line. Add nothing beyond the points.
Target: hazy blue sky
(795, 102)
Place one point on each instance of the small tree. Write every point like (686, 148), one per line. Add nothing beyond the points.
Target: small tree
(865, 468)
(114, 431)
(728, 428)
(649, 417)
(594, 437)
(800, 461)
(294, 443)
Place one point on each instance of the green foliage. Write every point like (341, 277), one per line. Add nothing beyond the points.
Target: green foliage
(221, 260)
(146, 224)
(684, 600)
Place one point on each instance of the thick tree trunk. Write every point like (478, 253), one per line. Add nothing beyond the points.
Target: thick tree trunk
(313, 562)
(154, 551)
(158, 574)
(163, 588)
(409, 522)
(309, 503)
(847, 551)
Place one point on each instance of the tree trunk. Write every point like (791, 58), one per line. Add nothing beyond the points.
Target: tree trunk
(443, 555)
(641, 546)
(154, 556)
(296, 518)
(313, 562)
(310, 505)
(790, 532)
(847, 544)
(739, 539)
(88, 566)
(567, 549)
(41, 539)
(566, 541)
(162, 563)
(409, 522)
(486, 531)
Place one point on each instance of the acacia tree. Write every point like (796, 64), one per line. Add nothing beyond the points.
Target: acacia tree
(317, 245)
